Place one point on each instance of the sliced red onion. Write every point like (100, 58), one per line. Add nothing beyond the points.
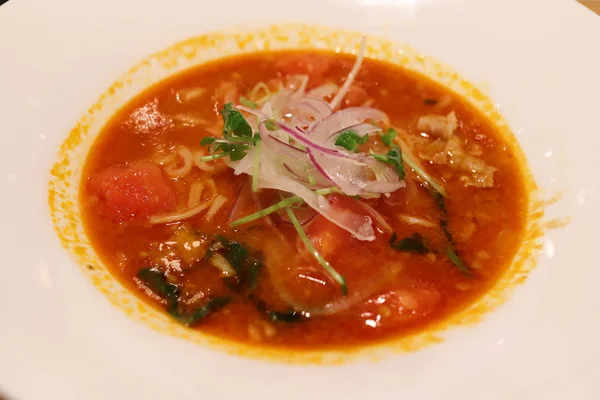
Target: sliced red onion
(300, 171)
(278, 146)
(300, 87)
(378, 217)
(272, 178)
(340, 120)
(360, 129)
(355, 176)
(324, 90)
(317, 106)
(308, 142)
(351, 76)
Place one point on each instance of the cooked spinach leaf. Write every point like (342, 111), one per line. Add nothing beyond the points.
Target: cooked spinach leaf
(157, 282)
(450, 250)
(411, 244)
(213, 305)
(247, 267)
(290, 316)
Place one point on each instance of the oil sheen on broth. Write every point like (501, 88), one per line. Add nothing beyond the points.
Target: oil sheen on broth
(414, 205)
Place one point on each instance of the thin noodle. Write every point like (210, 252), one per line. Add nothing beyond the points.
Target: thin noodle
(409, 219)
(195, 192)
(180, 215)
(168, 159)
(186, 166)
(215, 207)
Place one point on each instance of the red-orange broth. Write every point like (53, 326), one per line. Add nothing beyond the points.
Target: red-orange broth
(392, 293)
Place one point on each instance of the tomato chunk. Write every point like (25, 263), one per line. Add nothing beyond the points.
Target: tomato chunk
(393, 307)
(314, 65)
(136, 190)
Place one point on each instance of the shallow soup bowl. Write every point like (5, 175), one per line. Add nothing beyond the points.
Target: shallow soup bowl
(70, 330)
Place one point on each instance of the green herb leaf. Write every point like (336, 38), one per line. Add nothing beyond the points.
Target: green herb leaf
(238, 152)
(388, 138)
(213, 305)
(411, 244)
(234, 122)
(350, 140)
(394, 158)
(247, 102)
(207, 141)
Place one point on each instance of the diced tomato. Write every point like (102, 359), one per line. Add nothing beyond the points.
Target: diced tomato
(314, 65)
(400, 305)
(133, 191)
(326, 236)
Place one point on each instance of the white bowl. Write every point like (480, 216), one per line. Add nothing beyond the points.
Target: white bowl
(61, 339)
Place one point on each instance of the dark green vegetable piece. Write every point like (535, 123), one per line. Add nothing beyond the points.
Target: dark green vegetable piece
(350, 140)
(286, 316)
(450, 249)
(394, 158)
(234, 122)
(430, 102)
(213, 305)
(388, 138)
(247, 268)
(254, 274)
(411, 244)
(157, 282)
(290, 316)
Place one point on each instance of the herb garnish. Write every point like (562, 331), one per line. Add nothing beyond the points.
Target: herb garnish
(388, 138)
(394, 158)
(411, 244)
(311, 249)
(237, 137)
(350, 140)
(234, 122)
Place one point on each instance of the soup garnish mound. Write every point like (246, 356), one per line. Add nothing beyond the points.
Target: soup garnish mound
(303, 199)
